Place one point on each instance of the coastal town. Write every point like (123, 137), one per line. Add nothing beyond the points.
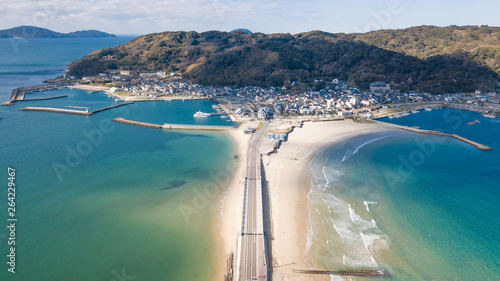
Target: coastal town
(335, 100)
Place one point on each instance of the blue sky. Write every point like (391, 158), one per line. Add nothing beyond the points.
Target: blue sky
(146, 16)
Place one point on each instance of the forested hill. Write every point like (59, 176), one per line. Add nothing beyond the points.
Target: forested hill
(426, 58)
(37, 32)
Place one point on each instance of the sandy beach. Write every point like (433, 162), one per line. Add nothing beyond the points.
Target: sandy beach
(289, 187)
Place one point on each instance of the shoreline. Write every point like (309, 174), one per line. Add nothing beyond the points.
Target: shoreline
(289, 188)
(228, 222)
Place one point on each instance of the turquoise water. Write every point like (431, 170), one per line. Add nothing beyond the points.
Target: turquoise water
(98, 200)
(424, 207)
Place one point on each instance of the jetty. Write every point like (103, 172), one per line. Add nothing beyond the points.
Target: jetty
(20, 93)
(429, 132)
(173, 126)
(135, 123)
(197, 127)
(72, 111)
(47, 98)
(375, 273)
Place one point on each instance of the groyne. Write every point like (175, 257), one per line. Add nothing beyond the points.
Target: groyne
(458, 137)
(360, 272)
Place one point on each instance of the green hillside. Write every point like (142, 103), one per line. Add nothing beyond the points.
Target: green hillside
(433, 59)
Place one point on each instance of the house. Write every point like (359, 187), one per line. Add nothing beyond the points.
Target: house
(263, 114)
(380, 86)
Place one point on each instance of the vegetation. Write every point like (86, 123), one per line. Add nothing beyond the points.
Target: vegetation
(426, 58)
(37, 32)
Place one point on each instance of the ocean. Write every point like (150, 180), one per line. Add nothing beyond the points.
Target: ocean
(99, 200)
(422, 207)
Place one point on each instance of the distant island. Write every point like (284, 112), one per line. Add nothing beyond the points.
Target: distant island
(426, 58)
(37, 32)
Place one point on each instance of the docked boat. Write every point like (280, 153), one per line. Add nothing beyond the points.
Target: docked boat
(415, 111)
(200, 114)
(428, 109)
(223, 116)
(489, 115)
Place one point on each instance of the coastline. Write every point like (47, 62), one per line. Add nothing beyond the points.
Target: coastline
(228, 224)
(289, 187)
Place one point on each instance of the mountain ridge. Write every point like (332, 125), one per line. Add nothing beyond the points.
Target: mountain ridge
(30, 32)
(425, 58)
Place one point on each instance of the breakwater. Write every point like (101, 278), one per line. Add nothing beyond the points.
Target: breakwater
(460, 138)
(57, 110)
(20, 93)
(72, 111)
(173, 126)
(140, 124)
(48, 98)
(197, 127)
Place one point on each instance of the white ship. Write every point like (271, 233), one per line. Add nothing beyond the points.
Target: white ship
(200, 114)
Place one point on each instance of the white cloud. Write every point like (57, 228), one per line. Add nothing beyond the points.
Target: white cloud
(145, 16)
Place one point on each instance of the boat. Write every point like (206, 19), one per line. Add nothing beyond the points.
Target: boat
(223, 116)
(474, 122)
(489, 115)
(200, 114)
(415, 111)
(428, 109)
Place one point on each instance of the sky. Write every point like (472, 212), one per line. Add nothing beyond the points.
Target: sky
(137, 17)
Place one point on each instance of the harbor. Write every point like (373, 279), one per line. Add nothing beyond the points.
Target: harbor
(19, 94)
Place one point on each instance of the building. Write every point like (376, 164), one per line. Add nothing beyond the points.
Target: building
(380, 86)
(263, 114)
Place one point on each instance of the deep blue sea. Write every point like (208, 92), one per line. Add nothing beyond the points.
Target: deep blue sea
(424, 207)
(99, 200)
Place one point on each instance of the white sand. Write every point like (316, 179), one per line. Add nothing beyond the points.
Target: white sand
(289, 189)
(229, 224)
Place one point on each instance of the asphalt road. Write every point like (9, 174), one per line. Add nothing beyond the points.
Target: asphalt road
(252, 262)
